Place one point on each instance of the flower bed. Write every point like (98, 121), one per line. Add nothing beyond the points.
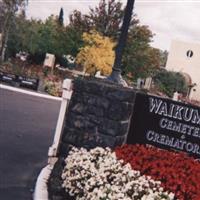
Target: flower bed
(131, 172)
(177, 172)
(98, 175)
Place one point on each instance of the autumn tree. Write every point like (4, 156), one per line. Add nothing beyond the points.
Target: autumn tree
(97, 54)
(139, 59)
(105, 18)
(37, 37)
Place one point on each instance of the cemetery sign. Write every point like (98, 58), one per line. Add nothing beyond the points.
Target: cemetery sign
(166, 124)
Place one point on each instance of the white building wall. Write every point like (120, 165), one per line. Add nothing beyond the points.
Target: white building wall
(185, 57)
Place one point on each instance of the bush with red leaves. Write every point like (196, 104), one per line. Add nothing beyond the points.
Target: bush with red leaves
(178, 172)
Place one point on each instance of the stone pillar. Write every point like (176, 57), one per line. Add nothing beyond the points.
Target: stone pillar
(99, 114)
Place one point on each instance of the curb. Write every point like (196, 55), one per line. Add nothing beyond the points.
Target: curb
(41, 188)
(29, 92)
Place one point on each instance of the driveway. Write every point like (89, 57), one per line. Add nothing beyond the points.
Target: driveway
(27, 126)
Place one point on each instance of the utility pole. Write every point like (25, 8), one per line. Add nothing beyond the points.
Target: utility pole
(116, 70)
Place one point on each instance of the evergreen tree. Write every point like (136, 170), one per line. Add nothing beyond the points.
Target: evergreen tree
(169, 82)
(61, 17)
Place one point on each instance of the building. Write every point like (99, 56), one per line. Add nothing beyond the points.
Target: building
(184, 57)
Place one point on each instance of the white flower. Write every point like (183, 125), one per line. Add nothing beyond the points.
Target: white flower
(97, 175)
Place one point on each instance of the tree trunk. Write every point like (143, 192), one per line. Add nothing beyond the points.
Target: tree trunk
(5, 33)
(3, 49)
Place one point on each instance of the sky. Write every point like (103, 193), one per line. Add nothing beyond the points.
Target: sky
(167, 19)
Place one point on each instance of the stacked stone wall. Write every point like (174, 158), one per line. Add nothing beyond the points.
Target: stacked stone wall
(99, 114)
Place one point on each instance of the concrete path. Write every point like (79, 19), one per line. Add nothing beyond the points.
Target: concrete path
(27, 125)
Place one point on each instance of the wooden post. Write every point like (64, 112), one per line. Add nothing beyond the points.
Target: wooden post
(66, 96)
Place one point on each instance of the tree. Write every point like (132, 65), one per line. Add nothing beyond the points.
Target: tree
(2, 15)
(9, 8)
(16, 36)
(139, 59)
(163, 58)
(73, 41)
(79, 22)
(105, 18)
(37, 38)
(169, 82)
(57, 39)
(97, 54)
(61, 17)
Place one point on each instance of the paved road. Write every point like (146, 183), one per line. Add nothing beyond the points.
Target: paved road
(27, 127)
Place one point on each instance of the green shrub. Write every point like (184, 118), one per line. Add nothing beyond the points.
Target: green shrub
(168, 82)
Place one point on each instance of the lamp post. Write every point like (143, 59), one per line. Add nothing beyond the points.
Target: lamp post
(116, 70)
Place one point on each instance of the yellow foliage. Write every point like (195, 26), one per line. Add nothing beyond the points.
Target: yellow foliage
(97, 54)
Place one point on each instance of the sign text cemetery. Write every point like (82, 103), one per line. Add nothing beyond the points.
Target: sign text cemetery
(166, 124)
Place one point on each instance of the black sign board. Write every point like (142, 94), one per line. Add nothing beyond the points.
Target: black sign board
(8, 78)
(30, 83)
(165, 124)
(26, 82)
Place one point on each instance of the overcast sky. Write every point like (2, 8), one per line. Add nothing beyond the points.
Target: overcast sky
(168, 19)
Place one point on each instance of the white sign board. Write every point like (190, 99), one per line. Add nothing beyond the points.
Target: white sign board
(49, 60)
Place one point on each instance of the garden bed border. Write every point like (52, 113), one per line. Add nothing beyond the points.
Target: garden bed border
(41, 187)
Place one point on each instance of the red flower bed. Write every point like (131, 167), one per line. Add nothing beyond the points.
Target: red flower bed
(178, 172)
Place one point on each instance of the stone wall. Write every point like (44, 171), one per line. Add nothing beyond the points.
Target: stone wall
(99, 114)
